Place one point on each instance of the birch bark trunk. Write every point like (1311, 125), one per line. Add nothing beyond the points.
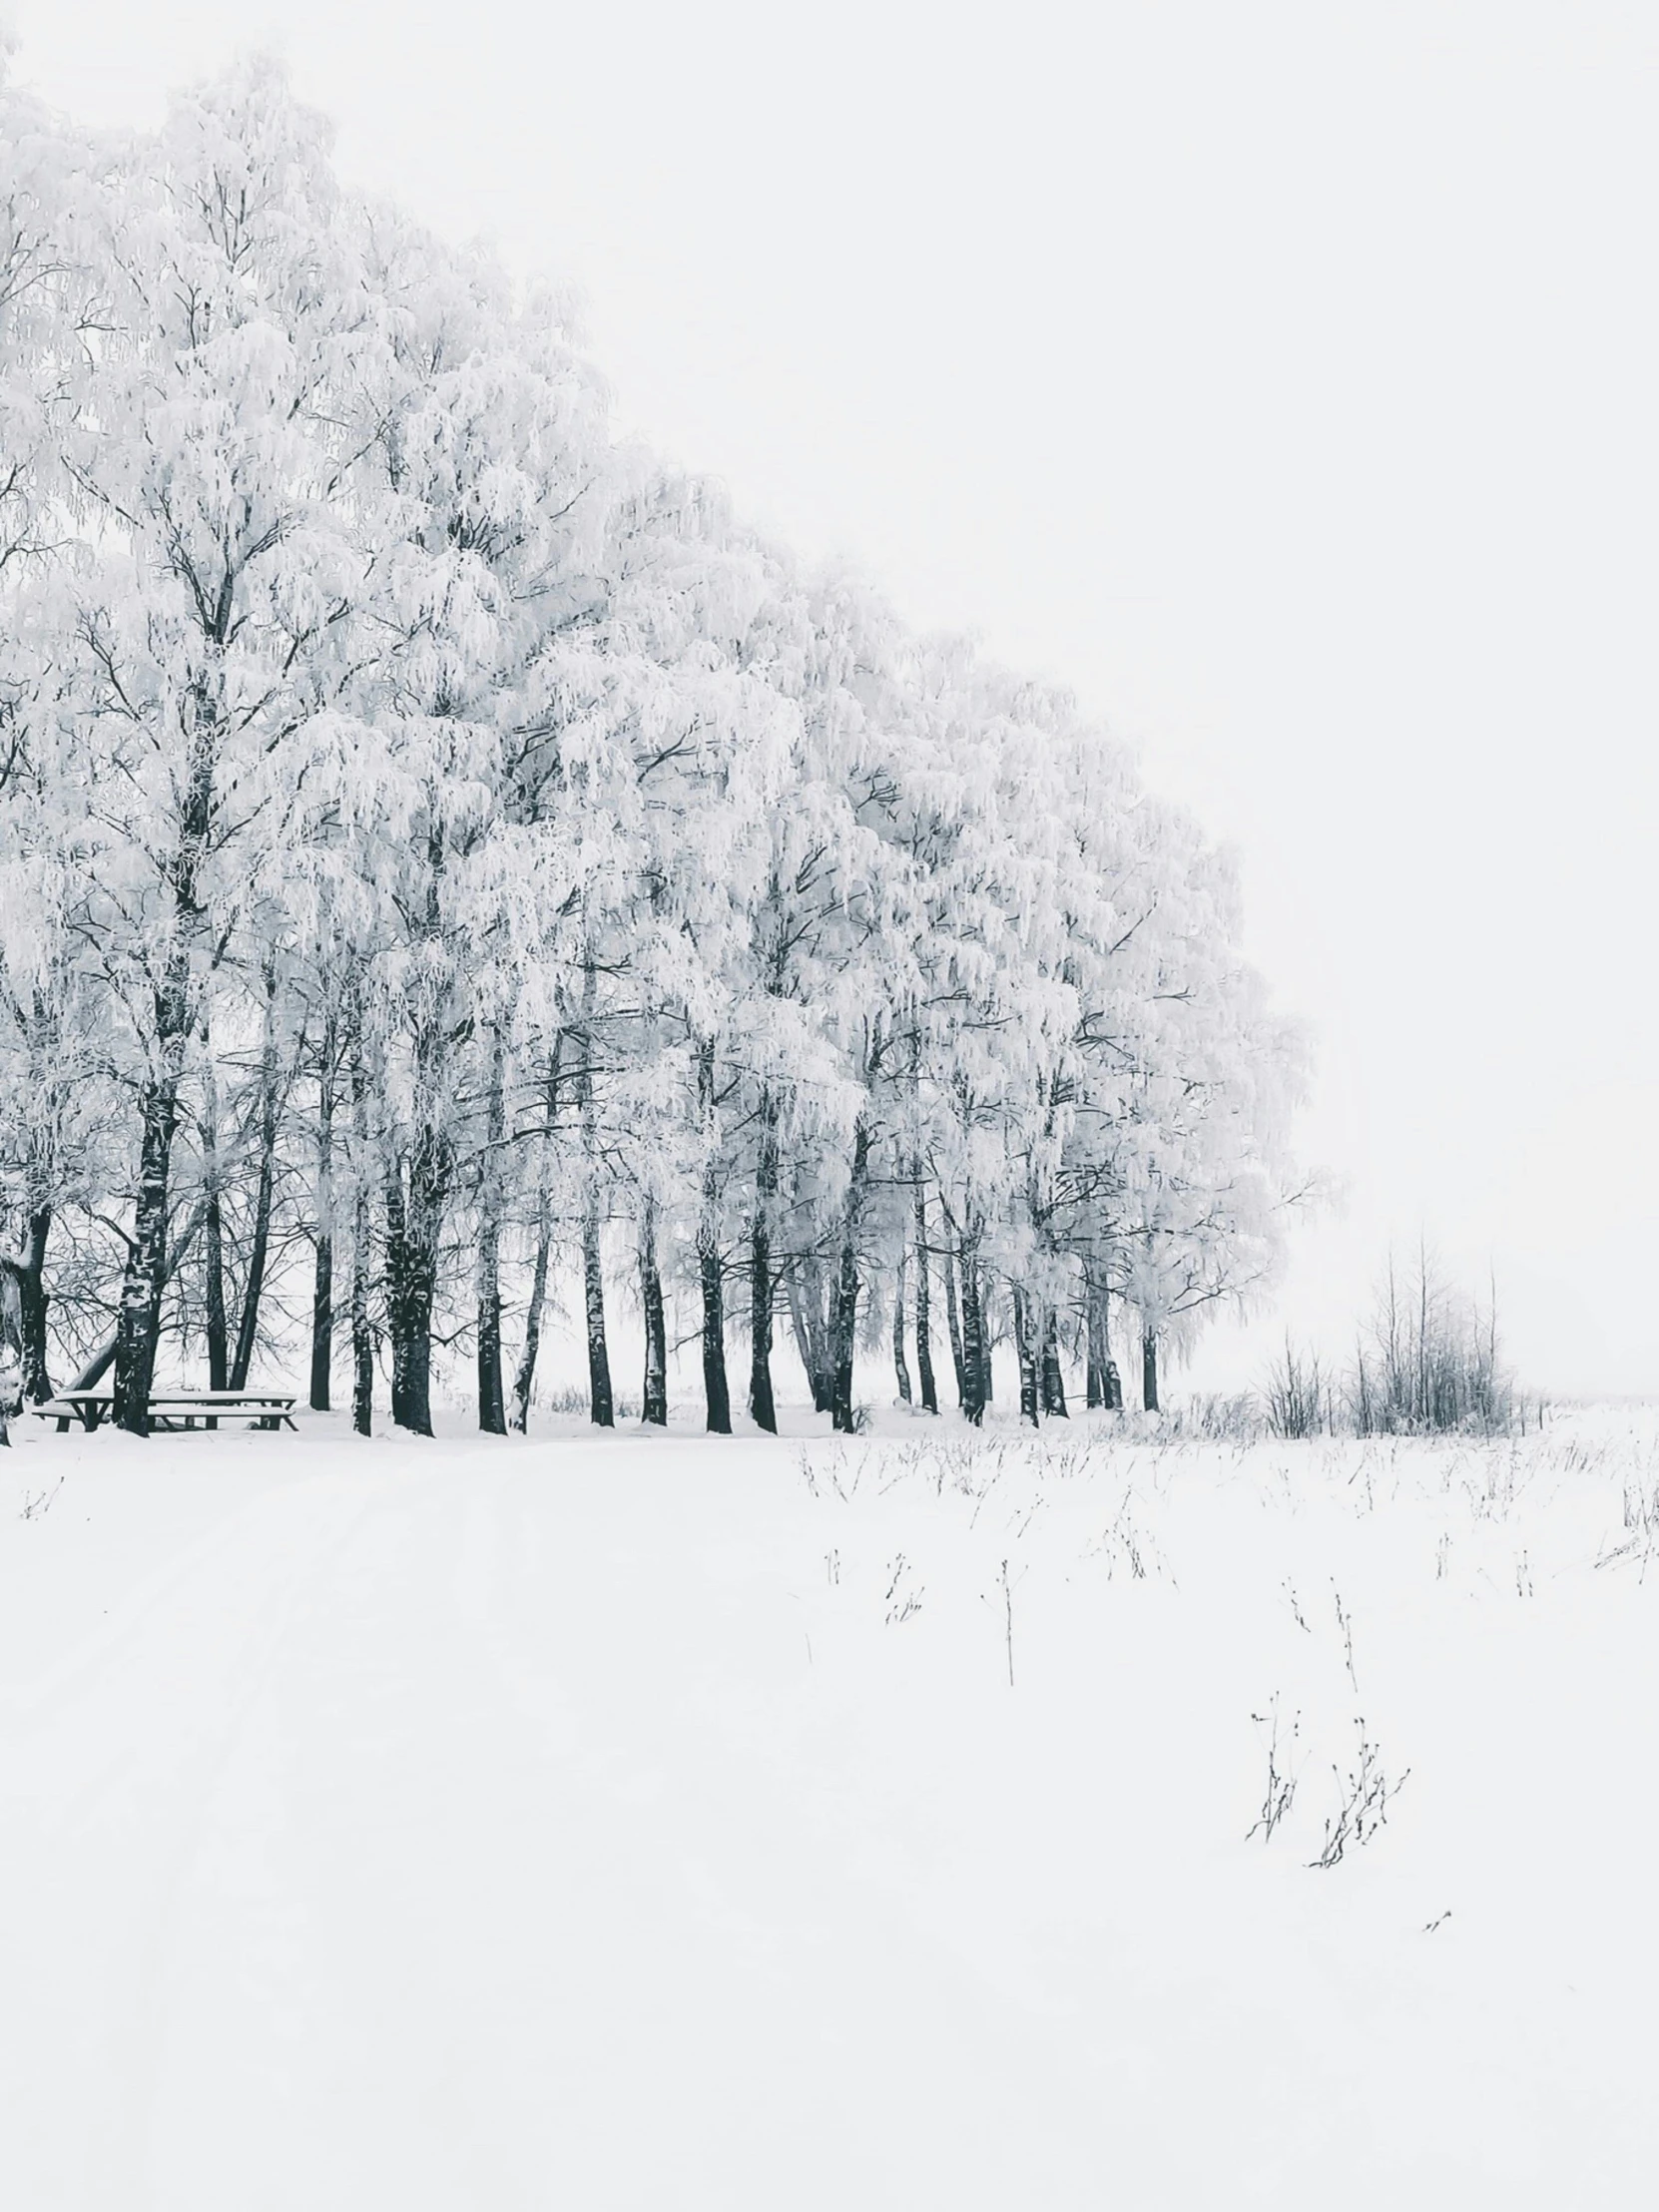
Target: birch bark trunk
(762, 1281)
(323, 1285)
(715, 1390)
(524, 1379)
(492, 1404)
(842, 1413)
(653, 1403)
(248, 1328)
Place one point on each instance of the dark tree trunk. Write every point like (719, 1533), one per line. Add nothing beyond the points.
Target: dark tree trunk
(419, 1177)
(975, 1350)
(362, 1259)
(362, 1339)
(1097, 1339)
(715, 1390)
(411, 1287)
(524, 1379)
(248, 1329)
(492, 1403)
(1149, 1370)
(138, 1329)
(322, 1287)
(415, 1212)
(953, 1322)
(1025, 1353)
(32, 1304)
(842, 1414)
(762, 1281)
(1053, 1379)
(592, 1273)
(218, 1334)
(50, 1082)
(900, 1366)
(322, 1322)
(653, 1403)
(925, 1304)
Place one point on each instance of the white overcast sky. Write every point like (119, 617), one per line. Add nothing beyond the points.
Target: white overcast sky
(1283, 376)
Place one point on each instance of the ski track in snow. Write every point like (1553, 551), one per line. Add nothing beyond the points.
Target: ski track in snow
(632, 1824)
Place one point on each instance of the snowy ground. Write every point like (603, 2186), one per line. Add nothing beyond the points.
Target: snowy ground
(604, 1822)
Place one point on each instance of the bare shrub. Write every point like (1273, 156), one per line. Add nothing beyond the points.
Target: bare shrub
(1279, 1793)
(1429, 1361)
(1362, 1796)
(1298, 1397)
(1211, 1418)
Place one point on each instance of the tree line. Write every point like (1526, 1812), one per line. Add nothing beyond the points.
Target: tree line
(443, 849)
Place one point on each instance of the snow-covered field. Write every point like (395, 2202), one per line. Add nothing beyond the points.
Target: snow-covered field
(613, 1823)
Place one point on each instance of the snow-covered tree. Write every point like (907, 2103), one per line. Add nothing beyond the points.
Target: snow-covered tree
(443, 853)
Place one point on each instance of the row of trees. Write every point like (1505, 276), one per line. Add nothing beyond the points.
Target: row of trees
(441, 849)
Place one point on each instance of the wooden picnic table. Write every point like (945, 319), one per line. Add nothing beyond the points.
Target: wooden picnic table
(171, 1410)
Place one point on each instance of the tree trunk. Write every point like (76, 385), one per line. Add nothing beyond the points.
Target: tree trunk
(593, 1306)
(322, 1287)
(1149, 1370)
(842, 1414)
(362, 1265)
(218, 1329)
(901, 1370)
(1025, 1353)
(803, 1277)
(525, 1378)
(762, 1284)
(592, 1273)
(1096, 1338)
(653, 1403)
(1053, 1378)
(716, 1392)
(11, 1346)
(953, 1322)
(925, 1303)
(411, 1287)
(322, 1322)
(975, 1351)
(362, 1340)
(248, 1328)
(139, 1325)
(415, 1212)
(492, 1404)
(138, 1331)
(32, 1304)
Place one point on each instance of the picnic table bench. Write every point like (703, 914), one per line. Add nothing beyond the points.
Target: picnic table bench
(173, 1409)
